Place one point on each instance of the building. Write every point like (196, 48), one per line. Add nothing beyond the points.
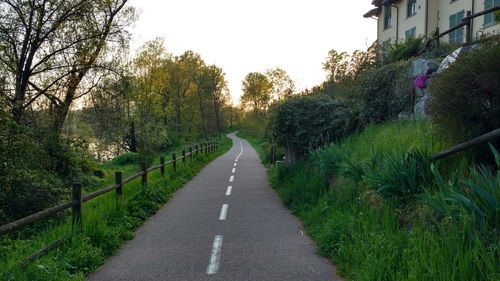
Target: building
(402, 19)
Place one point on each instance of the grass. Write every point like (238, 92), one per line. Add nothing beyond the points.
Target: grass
(107, 224)
(371, 236)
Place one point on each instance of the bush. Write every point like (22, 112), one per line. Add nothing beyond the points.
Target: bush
(399, 177)
(404, 51)
(126, 159)
(465, 99)
(296, 125)
(377, 95)
(477, 197)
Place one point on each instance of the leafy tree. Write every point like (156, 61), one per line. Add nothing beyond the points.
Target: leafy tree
(256, 91)
(283, 85)
(303, 123)
(51, 47)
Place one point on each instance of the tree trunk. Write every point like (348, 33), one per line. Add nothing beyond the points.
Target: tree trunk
(202, 115)
(132, 136)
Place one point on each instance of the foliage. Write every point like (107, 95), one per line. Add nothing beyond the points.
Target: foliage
(51, 56)
(403, 51)
(257, 90)
(37, 169)
(368, 237)
(341, 66)
(296, 125)
(282, 84)
(399, 176)
(108, 223)
(477, 197)
(465, 98)
(377, 95)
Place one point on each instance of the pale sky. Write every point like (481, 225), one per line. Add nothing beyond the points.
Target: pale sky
(243, 36)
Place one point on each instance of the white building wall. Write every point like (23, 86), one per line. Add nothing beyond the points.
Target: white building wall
(439, 12)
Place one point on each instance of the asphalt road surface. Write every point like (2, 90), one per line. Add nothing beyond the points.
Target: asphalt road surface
(225, 224)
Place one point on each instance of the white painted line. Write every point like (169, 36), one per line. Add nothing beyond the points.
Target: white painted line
(229, 189)
(223, 212)
(235, 164)
(231, 179)
(233, 171)
(213, 265)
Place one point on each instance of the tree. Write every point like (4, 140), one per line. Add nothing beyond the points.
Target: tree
(219, 93)
(336, 65)
(283, 85)
(50, 47)
(256, 91)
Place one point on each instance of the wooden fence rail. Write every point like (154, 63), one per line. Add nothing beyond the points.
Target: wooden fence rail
(463, 146)
(77, 199)
(467, 22)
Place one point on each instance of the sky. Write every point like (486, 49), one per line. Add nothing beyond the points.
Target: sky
(243, 36)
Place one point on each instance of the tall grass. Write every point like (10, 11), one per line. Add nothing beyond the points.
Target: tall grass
(349, 196)
(107, 223)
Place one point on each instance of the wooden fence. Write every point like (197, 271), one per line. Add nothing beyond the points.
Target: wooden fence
(467, 22)
(78, 199)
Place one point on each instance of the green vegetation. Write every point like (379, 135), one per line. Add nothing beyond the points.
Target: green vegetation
(367, 191)
(107, 224)
(345, 200)
(465, 104)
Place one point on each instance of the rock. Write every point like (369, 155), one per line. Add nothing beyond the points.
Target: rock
(404, 115)
(422, 66)
(419, 92)
(419, 110)
(451, 58)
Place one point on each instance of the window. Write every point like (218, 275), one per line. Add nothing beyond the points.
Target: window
(387, 16)
(411, 33)
(489, 19)
(411, 8)
(457, 36)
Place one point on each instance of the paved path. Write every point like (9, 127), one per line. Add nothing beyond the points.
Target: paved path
(211, 231)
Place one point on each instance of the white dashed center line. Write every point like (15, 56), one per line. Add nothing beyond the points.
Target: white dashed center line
(235, 164)
(229, 189)
(213, 265)
(223, 212)
(234, 170)
(231, 179)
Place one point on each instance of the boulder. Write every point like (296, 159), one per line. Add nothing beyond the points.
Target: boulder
(404, 115)
(420, 111)
(423, 66)
(451, 58)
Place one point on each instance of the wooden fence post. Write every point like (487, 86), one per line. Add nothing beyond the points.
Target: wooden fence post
(190, 153)
(468, 29)
(196, 149)
(76, 210)
(162, 166)
(184, 156)
(273, 155)
(206, 148)
(119, 182)
(144, 167)
(174, 162)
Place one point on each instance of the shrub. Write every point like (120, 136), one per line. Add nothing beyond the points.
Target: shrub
(477, 197)
(377, 95)
(296, 124)
(465, 99)
(404, 51)
(399, 177)
(126, 159)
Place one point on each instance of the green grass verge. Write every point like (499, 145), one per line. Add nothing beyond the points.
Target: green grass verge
(107, 224)
(370, 237)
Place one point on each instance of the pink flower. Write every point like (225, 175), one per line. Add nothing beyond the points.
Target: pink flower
(421, 81)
